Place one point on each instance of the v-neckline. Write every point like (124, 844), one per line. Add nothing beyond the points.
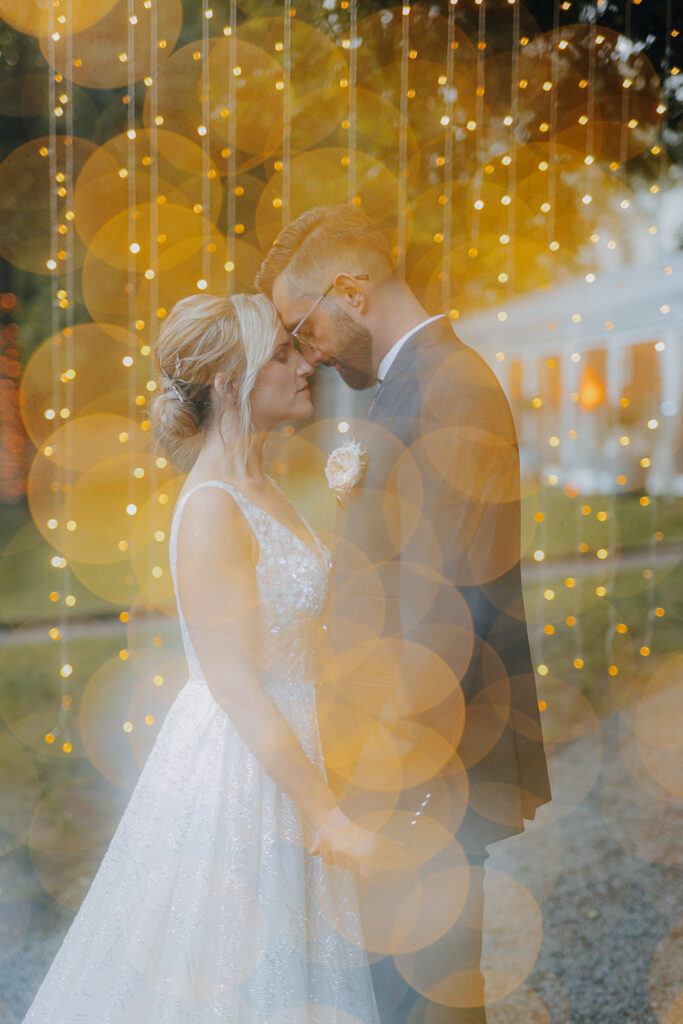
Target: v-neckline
(314, 548)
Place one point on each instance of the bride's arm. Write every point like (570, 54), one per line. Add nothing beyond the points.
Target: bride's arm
(219, 599)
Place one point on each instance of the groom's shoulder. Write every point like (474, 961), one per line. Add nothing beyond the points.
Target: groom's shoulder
(448, 367)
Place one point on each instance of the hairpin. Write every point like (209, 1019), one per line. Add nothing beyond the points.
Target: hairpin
(172, 383)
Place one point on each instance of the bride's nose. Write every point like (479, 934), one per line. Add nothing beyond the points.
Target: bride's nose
(305, 368)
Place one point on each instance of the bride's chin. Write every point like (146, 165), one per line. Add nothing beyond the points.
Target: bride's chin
(303, 410)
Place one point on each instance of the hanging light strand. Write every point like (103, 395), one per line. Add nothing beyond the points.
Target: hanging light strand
(287, 115)
(353, 84)
(205, 87)
(447, 219)
(401, 219)
(58, 183)
(67, 304)
(135, 323)
(590, 89)
(625, 95)
(231, 154)
(552, 170)
(130, 176)
(477, 127)
(153, 314)
(481, 81)
(512, 170)
(669, 371)
(153, 317)
(53, 262)
(612, 616)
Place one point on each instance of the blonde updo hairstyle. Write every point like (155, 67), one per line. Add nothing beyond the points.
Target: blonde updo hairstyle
(202, 336)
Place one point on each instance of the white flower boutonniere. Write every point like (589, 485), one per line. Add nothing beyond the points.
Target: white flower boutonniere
(344, 469)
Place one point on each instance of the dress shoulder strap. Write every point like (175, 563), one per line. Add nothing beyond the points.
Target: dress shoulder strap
(241, 500)
(220, 484)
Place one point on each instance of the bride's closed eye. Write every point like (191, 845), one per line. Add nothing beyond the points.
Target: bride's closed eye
(283, 352)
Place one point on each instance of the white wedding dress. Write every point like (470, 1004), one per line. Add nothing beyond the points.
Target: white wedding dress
(207, 907)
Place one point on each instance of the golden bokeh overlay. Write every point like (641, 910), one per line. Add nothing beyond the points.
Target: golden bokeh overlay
(491, 158)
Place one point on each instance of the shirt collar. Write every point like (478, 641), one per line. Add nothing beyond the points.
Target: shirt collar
(385, 364)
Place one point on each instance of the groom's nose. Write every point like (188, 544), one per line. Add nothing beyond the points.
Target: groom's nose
(312, 355)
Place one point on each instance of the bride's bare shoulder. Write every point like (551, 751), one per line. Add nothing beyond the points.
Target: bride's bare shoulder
(213, 525)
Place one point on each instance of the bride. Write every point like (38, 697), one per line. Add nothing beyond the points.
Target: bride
(223, 892)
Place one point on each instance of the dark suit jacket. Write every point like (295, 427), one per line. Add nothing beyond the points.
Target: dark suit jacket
(428, 614)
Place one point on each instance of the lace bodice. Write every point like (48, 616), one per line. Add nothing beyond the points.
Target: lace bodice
(292, 579)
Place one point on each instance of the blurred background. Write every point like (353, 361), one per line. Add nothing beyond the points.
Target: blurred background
(525, 163)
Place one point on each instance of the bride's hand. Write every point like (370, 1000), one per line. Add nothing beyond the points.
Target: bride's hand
(342, 842)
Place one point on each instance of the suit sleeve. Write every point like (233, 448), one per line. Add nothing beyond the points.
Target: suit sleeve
(463, 527)
(466, 538)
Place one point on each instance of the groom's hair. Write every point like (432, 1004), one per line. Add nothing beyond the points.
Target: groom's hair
(322, 242)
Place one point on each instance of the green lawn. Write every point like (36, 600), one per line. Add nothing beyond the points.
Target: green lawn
(116, 702)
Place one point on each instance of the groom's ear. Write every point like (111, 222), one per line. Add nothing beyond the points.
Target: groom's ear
(351, 292)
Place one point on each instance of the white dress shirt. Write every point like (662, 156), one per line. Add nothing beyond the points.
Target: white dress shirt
(388, 359)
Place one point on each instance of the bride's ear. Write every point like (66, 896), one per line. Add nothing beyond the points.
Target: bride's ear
(223, 388)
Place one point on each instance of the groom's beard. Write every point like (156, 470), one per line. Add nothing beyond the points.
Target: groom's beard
(353, 343)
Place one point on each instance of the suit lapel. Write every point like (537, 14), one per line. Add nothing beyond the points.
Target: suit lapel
(433, 335)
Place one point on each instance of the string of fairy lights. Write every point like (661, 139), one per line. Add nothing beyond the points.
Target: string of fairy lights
(61, 266)
(205, 87)
(230, 154)
(353, 101)
(449, 141)
(402, 212)
(475, 133)
(288, 16)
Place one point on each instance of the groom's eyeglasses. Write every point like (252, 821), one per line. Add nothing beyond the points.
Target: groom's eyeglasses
(295, 331)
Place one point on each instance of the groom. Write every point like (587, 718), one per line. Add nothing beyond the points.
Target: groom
(427, 574)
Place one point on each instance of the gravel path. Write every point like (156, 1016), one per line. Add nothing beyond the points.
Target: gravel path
(614, 868)
(603, 863)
